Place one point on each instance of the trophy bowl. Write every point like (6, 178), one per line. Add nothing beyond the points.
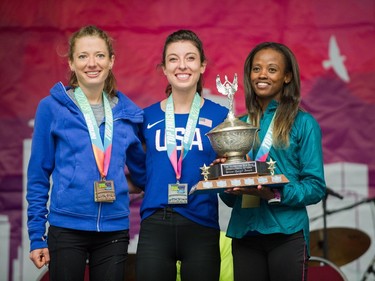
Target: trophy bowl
(232, 139)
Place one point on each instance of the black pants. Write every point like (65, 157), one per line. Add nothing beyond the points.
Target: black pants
(273, 257)
(167, 237)
(70, 249)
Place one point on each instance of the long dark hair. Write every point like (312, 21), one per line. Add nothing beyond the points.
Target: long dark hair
(290, 98)
(184, 35)
(91, 30)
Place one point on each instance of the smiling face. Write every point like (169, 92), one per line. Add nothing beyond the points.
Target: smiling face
(91, 62)
(268, 75)
(183, 66)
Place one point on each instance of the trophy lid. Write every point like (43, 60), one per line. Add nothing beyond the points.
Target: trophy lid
(231, 124)
(232, 138)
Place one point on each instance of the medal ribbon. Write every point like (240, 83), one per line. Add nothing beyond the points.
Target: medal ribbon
(266, 145)
(102, 152)
(170, 132)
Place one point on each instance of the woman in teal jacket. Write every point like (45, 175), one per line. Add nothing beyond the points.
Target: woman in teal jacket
(271, 241)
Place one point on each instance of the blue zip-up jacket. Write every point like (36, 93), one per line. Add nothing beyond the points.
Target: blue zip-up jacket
(62, 149)
(302, 164)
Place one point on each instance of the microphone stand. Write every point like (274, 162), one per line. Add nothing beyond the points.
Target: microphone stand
(325, 233)
(371, 267)
(326, 212)
(329, 191)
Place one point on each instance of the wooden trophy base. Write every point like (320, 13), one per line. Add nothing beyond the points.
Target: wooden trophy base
(245, 174)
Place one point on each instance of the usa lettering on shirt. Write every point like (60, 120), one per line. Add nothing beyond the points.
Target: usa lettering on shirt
(161, 140)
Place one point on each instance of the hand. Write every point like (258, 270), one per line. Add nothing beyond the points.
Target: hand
(218, 161)
(40, 257)
(261, 191)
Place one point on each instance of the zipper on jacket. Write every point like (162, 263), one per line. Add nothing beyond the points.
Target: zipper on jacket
(98, 219)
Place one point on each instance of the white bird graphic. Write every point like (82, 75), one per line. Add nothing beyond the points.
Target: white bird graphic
(336, 60)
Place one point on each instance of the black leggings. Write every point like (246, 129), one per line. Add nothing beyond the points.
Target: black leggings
(70, 249)
(166, 237)
(272, 257)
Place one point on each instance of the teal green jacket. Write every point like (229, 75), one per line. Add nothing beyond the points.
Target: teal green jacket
(302, 164)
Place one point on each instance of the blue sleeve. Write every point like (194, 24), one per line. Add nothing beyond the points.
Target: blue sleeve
(40, 167)
(136, 161)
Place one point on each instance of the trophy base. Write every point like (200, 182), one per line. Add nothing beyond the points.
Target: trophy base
(237, 169)
(220, 184)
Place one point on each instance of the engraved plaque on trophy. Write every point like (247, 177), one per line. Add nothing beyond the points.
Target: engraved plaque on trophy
(233, 139)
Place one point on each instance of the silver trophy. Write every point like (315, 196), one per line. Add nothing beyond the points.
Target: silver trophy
(233, 139)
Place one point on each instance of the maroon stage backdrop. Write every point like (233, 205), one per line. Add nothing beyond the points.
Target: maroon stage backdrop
(333, 41)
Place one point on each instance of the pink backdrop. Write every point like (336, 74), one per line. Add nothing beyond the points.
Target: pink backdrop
(33, 36)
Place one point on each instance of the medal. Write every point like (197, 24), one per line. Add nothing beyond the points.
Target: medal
(104, 191)
(177, 193)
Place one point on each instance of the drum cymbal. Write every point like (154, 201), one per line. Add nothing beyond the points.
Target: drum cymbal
(344, 245)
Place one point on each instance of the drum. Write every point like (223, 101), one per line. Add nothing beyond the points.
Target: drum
(320, 269)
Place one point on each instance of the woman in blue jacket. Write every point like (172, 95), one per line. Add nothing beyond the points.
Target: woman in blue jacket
(85, 136)
(271, 241)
